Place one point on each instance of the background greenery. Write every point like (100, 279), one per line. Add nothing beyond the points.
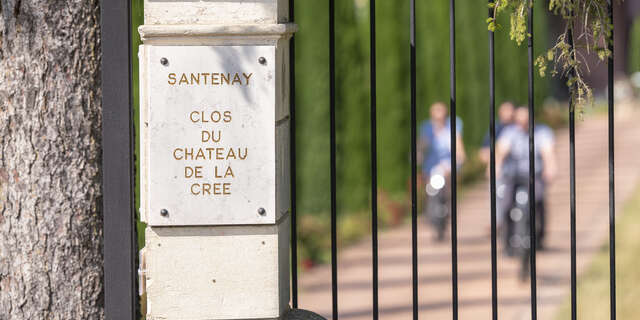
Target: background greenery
(392, 89)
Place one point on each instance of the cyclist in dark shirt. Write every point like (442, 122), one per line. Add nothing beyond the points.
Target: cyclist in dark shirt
(505, 119)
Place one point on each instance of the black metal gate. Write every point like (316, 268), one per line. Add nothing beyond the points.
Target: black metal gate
(118, 162)
(414, 201)
(120, 249)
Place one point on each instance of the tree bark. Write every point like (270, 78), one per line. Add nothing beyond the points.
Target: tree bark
(50, 178)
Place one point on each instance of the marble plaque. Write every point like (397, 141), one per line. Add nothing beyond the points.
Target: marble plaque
(210, 135)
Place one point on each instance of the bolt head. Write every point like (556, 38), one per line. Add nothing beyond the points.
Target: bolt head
(262, 60)
(164, 61)
(262, 211)
(164, 212)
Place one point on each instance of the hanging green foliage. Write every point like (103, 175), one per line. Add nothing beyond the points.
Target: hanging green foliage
(588, 28)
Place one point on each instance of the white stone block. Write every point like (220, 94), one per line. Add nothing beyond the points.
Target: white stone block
(215, 11)
(223, 272)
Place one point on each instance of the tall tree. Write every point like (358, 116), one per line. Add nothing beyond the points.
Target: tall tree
(50, 177)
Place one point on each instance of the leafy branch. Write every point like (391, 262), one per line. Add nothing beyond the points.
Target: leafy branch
(588, 29)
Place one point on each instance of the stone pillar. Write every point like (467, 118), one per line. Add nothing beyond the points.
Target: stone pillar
(214, 151)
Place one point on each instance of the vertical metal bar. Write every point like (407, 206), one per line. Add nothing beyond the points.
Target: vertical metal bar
(414, 162)
(572, 187)
(454, 166)
(572, 174)
(332, 142)
(292, 150)
(118, 162)
(612, 185)
(532, 189)
(492, 170)
(374, 157)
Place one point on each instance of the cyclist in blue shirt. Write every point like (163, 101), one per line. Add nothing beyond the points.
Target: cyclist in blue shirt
(435, 146)
(435, 141)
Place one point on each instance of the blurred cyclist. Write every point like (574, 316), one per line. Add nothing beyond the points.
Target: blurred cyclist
(435, 142)
(513, 144)
(505, 119)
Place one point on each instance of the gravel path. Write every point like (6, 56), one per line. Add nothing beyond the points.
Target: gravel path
(354, 263)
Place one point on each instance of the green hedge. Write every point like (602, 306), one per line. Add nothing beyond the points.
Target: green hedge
(393, 97)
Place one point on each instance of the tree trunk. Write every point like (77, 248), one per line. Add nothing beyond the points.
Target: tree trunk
(50, 178)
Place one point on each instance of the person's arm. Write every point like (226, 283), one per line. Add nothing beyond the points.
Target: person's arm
(549, 168)
(460, 154)
(421, 147)
(547, 153)
(423, 143)
(484, 154)
(502, 150)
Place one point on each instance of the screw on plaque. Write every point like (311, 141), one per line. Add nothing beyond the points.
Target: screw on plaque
(262, 211)
(164, 212)
(164, 61)
(262, 60)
